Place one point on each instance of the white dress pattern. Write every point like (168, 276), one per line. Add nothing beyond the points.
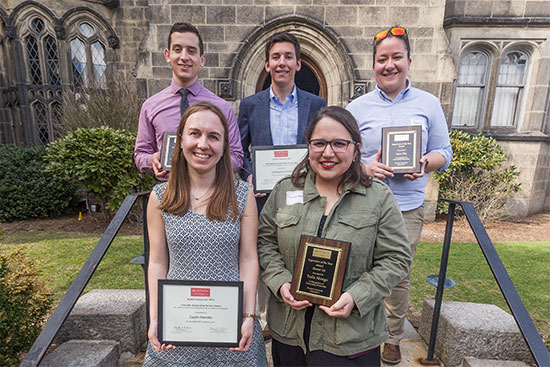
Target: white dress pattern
(200, 249)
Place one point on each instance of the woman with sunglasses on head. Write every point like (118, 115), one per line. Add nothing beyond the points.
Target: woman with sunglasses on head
(329, 196)
(203, 226)
(394, 103)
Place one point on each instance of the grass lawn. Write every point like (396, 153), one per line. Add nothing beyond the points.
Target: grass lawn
(526, 263)
(61, 256)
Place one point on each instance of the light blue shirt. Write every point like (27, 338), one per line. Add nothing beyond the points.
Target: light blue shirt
(283, 118)
(412, 106)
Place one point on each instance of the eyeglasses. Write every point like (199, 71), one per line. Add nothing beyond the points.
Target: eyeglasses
(396, 31)
(337, 145)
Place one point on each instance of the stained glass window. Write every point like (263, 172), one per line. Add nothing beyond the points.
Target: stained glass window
(41, 120)
(35, 74)
(88, 57)
(78, 57)
(52, 60)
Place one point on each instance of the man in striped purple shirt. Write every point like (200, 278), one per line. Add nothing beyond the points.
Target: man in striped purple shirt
(162, 111)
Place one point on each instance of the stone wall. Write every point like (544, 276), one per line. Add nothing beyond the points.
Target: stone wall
(497, 8)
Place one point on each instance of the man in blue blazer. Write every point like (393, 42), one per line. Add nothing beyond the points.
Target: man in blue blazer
(280, 114)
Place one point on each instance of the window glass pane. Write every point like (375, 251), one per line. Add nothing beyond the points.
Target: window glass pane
(511, 79)
(470, 89)
(505, 107)
(52, 60)
(34, 61)
(55, 112)
(98, 61)
(40, 118)
(86, 30)
(37, 25)
(78, 57)
(512, 68)
(466, 111)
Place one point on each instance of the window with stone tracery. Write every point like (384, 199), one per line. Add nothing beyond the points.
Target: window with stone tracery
(88, 57)
(490, 87)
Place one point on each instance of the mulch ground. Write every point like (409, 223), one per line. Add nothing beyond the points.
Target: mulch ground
(532, 228)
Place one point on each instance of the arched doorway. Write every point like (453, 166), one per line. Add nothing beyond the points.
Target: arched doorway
(322, 54)
(310, 78)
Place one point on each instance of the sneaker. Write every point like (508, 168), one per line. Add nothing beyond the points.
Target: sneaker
(391, 354)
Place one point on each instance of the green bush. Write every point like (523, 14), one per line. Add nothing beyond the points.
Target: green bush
(477, 175)
(102, 159)
(24, 301)
(27, 190)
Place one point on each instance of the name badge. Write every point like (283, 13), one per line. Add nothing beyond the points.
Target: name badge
(294, 197)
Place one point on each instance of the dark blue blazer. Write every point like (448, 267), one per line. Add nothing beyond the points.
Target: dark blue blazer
(255, 127)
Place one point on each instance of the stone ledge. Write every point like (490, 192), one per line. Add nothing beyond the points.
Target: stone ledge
(473, 330)
(473, 362)
(108, 314)
(84, 353)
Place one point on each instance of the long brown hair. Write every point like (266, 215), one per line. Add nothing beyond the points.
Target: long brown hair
(177, 197)
(354, 174)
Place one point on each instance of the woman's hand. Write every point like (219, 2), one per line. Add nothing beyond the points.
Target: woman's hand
(342, 308)
(377, 169)
(414, 176)
(289, 299)
(154, 340)
(247, 331)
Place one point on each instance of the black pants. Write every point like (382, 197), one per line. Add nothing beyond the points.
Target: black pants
(289, 355)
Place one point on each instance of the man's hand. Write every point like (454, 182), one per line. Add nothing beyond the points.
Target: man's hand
(258, 195)
(377, 169)
(157, 166)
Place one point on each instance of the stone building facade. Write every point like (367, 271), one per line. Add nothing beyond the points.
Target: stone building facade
(487, 60)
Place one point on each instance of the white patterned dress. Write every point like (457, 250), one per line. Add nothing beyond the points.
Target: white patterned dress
(201, 249)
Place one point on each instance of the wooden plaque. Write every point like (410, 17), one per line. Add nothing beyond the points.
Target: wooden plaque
(168, 144)
(401, 148)
(319, 271)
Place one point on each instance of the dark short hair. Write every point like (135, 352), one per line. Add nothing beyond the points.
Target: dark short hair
(404, 37)
(184, 28)
(282, 37)
(355, 174)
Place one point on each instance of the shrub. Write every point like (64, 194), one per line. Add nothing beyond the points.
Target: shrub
(24, 301)
(117, 105)
(27, 190)
(476, 175)
(102, 159)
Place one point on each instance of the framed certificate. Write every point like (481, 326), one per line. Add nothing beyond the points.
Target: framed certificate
(168, 144)
(201, 313)
(319, 270)
(401, 148)
(271, 163)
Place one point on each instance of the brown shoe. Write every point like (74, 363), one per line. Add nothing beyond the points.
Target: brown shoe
(391, 354)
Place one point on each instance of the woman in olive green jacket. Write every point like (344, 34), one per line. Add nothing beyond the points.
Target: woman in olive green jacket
(329, 196)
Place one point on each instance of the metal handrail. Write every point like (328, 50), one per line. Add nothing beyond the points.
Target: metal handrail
(50, 330)
(523, 320)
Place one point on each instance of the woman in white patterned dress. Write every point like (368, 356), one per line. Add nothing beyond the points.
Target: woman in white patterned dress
(203, 226)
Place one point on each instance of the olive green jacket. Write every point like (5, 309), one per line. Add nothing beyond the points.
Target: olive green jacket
(379, 258)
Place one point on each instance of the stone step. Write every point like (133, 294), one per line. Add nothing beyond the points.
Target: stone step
(108, 314)
(84, 353)
(473, 362)
(474, 330)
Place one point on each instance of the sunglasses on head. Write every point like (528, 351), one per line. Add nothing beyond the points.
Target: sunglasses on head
(396, 31)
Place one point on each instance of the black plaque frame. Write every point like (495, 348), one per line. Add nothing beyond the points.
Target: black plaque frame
(274, 149)
(238, 318)
(390, 149)
(334, 266)
(168, 144)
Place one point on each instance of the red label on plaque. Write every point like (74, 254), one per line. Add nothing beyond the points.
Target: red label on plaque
(200, 292)
(281, 153)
